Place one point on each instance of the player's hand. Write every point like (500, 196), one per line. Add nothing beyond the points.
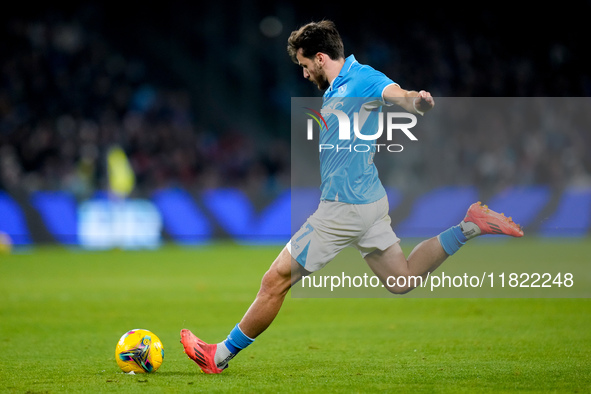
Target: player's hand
(424, 101)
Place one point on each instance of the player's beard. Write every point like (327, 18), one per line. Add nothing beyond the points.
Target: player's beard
(319, 78)
(322, 82)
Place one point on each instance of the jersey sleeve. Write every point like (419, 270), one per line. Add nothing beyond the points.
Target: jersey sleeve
(375, 82)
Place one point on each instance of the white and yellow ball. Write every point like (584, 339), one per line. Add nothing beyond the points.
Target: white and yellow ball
(139, 351)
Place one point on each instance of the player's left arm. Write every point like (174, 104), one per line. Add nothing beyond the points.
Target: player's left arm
(411, 100)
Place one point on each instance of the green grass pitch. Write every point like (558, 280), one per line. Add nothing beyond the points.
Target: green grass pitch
(62, 312)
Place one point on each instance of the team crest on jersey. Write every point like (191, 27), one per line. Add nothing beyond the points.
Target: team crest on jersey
(342, 89)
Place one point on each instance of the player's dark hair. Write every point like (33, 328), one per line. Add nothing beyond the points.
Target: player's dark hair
(316, 37)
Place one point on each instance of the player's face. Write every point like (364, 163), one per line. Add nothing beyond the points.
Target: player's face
(313, 71)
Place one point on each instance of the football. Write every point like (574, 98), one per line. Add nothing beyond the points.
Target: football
(139, 351)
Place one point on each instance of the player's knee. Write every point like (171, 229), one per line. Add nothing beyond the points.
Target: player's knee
(399, 289)
(277, 279)
(267, 283)
(274, 283)
(400, 284)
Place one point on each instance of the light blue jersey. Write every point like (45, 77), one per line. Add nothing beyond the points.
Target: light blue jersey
(347, 170)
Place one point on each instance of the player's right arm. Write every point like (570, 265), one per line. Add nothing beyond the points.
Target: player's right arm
(411, 100)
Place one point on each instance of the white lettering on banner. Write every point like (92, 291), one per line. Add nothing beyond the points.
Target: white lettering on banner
(345, 125)
(392, 148)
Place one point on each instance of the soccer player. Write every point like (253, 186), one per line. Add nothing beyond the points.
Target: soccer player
(353, 210)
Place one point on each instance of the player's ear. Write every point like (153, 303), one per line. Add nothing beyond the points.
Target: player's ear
(320, 58)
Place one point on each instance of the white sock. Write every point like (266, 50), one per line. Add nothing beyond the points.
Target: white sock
(470, 229)
(222, 355)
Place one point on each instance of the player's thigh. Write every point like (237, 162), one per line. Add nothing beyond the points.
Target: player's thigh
(283, 272)
(388, 262)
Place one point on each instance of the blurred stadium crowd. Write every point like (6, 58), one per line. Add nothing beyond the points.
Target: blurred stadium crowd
(199, 97)
(67, 95)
